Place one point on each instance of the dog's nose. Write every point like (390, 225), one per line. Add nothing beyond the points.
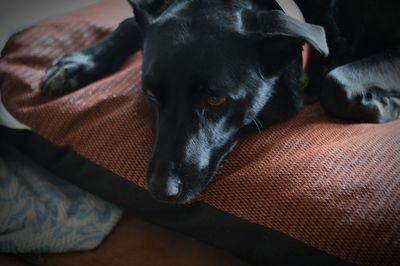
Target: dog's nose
(166, 190)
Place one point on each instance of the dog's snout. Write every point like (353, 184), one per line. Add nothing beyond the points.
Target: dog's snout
(166, 190)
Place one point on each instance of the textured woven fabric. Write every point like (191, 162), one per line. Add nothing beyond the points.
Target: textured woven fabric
(330, 184)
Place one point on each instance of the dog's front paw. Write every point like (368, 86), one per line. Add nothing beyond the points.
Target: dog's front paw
(68, 74)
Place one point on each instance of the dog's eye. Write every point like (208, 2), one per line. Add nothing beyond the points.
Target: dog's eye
(216, 101)
(150, 93)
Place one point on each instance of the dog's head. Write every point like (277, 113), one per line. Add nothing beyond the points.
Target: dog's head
(211, 69)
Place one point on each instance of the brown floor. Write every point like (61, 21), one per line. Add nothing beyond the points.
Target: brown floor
(134, 242)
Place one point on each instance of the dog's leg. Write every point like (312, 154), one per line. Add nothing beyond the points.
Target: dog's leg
(367, 90)
(78, 69)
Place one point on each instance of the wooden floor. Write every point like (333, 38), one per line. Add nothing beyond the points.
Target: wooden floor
(134, 242)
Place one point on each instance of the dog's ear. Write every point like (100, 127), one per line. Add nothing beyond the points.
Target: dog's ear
(142, 17)
(276, 23)
(147, 10)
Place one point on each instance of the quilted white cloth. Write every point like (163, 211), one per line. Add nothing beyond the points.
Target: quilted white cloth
(41, 213)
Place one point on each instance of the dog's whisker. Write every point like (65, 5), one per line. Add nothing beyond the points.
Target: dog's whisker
(257, 125)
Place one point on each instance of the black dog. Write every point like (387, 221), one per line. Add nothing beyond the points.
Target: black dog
(213, 69)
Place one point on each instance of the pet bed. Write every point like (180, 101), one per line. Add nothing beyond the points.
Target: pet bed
(310, 191)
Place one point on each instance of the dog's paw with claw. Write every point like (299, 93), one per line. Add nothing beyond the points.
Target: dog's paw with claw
(68, 74)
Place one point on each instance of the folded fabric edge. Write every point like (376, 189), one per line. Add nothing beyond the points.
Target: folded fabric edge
(7, 120)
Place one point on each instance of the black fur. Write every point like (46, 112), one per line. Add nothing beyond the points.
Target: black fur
(214, 69)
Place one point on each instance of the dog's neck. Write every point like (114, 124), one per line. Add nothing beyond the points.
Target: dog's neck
(292, 9)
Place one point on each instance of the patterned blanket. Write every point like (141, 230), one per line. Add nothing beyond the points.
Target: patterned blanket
(41, 213)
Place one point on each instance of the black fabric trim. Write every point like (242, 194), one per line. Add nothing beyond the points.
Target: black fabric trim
(253, 243)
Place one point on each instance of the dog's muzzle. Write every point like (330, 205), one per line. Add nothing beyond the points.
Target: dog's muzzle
(168, 190)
